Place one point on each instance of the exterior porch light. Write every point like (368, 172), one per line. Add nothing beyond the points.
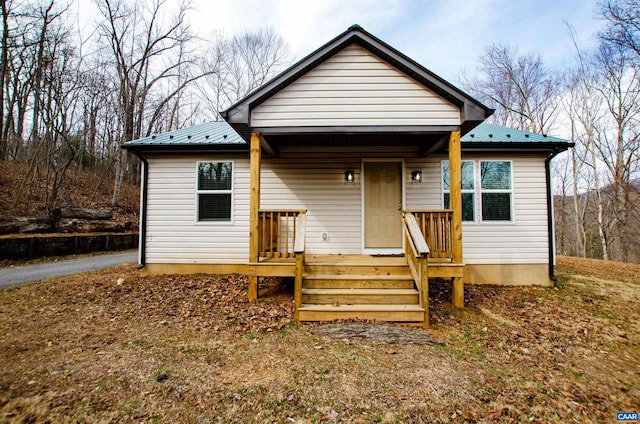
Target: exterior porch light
(416, 177)
(349, 176)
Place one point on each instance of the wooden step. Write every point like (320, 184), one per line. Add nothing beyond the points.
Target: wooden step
(351, 296)
(357, 269)
(319, 281)
(396, 313)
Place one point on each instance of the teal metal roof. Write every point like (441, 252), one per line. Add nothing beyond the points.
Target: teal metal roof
(489, 133)
(213, 134)
(219, 135)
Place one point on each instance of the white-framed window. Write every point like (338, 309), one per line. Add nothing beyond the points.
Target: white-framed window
(488, 181)
(468, 189)
(214, 191)
(496, 189)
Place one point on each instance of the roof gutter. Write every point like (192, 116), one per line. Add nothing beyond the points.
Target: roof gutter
(142, 252)
(550, 229)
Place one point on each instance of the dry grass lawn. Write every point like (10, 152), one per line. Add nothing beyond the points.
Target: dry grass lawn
(111, 346)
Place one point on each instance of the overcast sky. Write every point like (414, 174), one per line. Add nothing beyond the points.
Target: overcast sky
(442, 35)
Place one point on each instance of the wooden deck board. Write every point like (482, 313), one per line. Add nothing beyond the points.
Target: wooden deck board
(355, 260)
(397, 313)
(352, 296)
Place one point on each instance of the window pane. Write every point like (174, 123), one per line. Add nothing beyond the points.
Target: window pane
(445, 175)
(467, 205)
(214, 207)
(467, 175)
(214, 176)
(495, 175)
(496, 206)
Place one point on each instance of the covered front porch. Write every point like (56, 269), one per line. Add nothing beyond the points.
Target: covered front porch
(356, 102)
(383, 285)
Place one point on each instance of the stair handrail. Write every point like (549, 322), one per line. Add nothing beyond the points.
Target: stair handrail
(417, 260)
(418, 243)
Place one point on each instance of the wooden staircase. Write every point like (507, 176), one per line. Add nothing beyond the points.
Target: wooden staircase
(359, 287)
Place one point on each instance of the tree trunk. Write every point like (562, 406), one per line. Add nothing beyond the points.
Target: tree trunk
(10, 225)
(600, 207)
(4, 57)
(578, 217)
(83, 213)
(119, 178)
(73, 225)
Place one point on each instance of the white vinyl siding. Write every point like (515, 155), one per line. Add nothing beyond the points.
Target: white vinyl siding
(319, 187)
(312, 178)
(354, 88)
(173, 233)
(524, 240)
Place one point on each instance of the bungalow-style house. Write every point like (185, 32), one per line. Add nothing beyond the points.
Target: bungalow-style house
(362, 175)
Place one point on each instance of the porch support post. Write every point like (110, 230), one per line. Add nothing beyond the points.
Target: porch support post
(424, 289)
(254, 207)
(455, 196)
(297, 289)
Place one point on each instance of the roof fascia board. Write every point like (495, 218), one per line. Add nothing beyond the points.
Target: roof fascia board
(371, 129)
(189, 148)
(514, 147)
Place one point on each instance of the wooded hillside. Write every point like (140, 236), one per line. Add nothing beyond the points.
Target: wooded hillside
(81, 189)
(579, 235)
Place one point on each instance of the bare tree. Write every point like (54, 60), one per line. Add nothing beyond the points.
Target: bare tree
(146, 51)
(618, 145)
(524, 92)
(623, 29)
(603, 106)
(239, 65)
(4, 58)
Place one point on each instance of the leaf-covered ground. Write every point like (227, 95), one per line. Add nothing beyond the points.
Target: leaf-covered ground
(111, 346)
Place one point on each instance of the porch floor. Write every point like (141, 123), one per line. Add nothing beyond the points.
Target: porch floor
(340, 259)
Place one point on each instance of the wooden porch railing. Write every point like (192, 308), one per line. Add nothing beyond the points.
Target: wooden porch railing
(278, 230)
(436, 227)
(416, 252)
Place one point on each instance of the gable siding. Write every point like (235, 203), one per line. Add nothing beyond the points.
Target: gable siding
(354, 87)
(173, 235)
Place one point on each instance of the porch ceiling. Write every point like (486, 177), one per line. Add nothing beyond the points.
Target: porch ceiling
(423, 143)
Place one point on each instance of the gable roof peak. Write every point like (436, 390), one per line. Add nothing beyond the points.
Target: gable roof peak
(473, 112)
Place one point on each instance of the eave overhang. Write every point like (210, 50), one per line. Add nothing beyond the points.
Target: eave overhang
(515, 147)
(187, 148)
